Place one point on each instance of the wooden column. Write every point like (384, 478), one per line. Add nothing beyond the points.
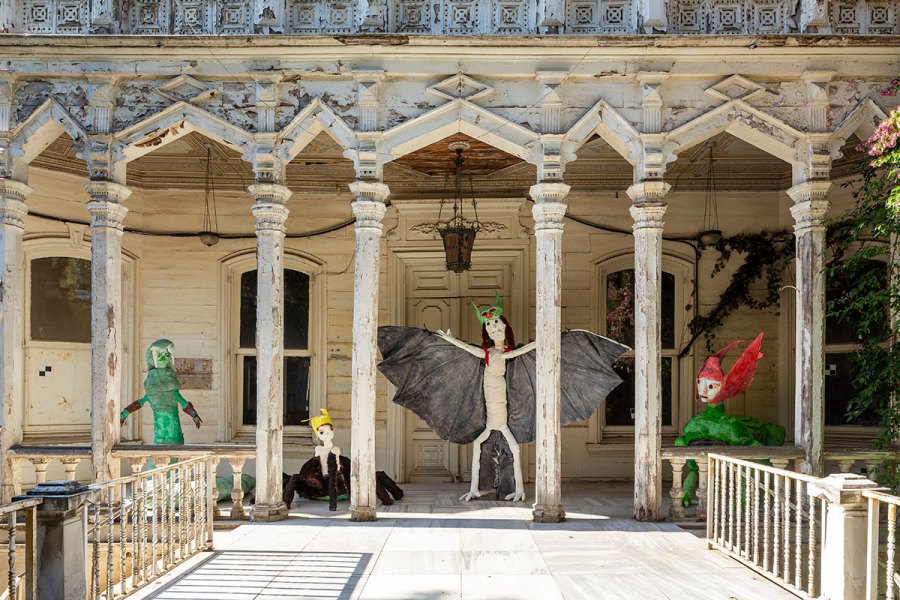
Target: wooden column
(107, 348)
(548, 212)
(369, 210)
(12, 323)
(647, 211)
(270, 212)
(809, 210)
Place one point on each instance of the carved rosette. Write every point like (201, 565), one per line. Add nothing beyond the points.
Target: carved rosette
(269, 210)
(810, 205)
(12, 202)
(106, 205)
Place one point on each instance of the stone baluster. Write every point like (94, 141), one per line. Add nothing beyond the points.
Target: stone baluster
(237, 490)
(70, 465)
(647, 211)
(780, 463)
(809, 211)
(702, 487)
(271, 213)
(676, 511)
(844, 464)
(369, 209)
(549, 211)
(107, 215)
(40, 469)
(213, 488)
(137, 463)
(871, 466)
(12, 335)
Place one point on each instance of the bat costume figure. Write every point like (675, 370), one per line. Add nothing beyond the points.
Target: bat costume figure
(465, 392)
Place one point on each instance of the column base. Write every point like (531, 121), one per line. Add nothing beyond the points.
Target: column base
(544, 513)
(363, 514)
(269, 512)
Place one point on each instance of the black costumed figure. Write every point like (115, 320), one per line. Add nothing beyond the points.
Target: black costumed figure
(327, 474)
(466, 392)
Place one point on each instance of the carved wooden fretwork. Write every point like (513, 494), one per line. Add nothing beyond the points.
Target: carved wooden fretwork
(464, 17)
(321, 16)
(486, 227)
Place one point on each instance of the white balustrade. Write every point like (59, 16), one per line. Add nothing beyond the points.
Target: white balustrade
(766, 518)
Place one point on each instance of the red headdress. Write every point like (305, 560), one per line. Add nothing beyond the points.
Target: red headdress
(741, 374)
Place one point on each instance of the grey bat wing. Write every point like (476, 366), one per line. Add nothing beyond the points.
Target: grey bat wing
(439, 382)
(586, 378)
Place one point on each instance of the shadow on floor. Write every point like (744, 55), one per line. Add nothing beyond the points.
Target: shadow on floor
(260, 574)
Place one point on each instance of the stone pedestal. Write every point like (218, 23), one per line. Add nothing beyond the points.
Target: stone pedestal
(647, 211)
(549, 211)
(107, 328)
(846, 527)
(270, 213)
(369, 210)
(61, 539)
(809, 211)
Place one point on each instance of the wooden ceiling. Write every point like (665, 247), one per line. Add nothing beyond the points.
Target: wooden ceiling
(322, 168)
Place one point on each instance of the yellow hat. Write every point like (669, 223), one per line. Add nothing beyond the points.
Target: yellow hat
(323, 419)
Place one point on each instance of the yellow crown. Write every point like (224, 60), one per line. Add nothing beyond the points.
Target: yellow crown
(323, 419)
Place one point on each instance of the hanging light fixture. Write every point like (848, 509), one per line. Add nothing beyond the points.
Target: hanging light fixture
(711, 233)
(210, 234)
(457, 232)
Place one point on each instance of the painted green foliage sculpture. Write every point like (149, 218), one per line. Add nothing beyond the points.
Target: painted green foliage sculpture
(162, 391)
(713, 426)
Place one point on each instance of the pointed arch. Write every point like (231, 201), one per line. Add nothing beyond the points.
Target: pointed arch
(172, 123)
(457, 116)
(39, 130)
(309, 122)
(609, 124)
(742, 121)
(862, 120)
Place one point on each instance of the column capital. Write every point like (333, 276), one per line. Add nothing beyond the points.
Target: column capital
(809, 190)
(12, 202)
(652, 190)
(101, 190)
(549, 191)
(270, 216)
(548, 215)
(648, 214)
(369, 213)
(107, 213)
(810, 205)
(270, 193)
(369, 191)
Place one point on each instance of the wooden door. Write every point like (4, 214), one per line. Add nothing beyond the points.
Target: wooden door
(440, 299)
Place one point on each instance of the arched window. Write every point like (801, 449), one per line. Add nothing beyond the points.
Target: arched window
(304, 332)
(614, 295)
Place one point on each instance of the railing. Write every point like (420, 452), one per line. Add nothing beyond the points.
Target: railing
(137, 457)
(451, 17)
(766, 518)
(141, 526)
(882, 579)
(778, 456)
(21, 581)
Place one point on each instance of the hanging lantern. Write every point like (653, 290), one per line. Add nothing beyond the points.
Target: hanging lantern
(209, 236)
(458, 233)
(711, 233)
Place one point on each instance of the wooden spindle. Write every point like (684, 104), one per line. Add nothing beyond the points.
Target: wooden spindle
(756, 516)
(787, 530)
(776, 530)
(891, 549)
(798, 526)
(811, 575)
(766, 522)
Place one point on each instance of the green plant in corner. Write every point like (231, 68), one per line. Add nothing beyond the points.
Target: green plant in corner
(870, 298)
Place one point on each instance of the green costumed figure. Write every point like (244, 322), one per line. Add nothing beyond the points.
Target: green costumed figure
(162, 391)
(713, 426)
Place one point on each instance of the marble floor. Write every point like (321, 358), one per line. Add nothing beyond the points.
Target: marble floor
(430, 546)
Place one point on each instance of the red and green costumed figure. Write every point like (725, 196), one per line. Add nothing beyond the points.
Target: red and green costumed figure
(162, 391)
(713, 426)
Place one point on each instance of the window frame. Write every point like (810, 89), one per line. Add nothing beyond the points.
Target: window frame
(682, 269)
(75, 246)
(232, 359)
(847, 435)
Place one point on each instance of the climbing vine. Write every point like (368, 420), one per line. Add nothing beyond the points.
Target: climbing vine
(766, 255)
